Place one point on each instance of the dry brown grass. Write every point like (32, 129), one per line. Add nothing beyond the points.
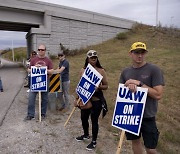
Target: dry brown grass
(163, 46)
(164, 51)
(20, 54)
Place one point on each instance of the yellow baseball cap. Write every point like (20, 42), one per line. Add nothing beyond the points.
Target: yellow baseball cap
(138, 46)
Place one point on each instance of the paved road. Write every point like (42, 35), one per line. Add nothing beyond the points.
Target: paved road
(12, 75)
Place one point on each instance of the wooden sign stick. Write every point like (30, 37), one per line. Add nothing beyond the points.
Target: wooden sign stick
(71, 113)
(39, 106)
(120, 142)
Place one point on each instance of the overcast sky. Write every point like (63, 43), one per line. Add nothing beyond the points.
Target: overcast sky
(143, 11)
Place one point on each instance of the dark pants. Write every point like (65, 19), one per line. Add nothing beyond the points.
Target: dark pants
(1, 86)
(149, 132)
(94, 112)
(29, 81)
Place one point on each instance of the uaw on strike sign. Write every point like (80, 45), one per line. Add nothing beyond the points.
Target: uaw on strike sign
(129, 109)
(88, 82)
(38, 79)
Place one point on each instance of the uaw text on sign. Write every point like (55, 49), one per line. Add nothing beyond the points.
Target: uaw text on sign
(90, 79)
(38, 78)
(129, 109)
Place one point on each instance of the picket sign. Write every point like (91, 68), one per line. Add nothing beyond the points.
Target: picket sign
(128, 111)
(38, 79)
(90, 79)
(39, 82)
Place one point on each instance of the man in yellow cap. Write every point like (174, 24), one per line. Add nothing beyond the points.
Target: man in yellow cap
(149, 76)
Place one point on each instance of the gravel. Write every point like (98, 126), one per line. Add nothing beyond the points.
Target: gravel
(48, 136)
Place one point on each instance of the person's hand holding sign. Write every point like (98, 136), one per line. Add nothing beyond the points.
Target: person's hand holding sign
(132, 84)
(38, 65)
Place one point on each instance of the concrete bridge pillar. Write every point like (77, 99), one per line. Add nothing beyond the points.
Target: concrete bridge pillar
(41, 35)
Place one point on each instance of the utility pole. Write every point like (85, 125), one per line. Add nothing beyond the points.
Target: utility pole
(12, 50)
(157, 7)
(171, 21)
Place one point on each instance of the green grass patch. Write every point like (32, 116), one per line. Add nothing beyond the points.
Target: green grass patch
(20, 54)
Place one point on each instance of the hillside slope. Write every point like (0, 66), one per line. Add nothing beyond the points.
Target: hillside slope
(163, 45)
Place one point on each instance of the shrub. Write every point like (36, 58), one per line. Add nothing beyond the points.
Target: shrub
(121, 36)
(51, 56)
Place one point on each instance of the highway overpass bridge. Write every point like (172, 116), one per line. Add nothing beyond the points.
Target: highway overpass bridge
(52, 24)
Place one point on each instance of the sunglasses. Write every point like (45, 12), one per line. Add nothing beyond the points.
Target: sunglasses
(41, 49)
(60, 55)
(139, 52)
(91, 54)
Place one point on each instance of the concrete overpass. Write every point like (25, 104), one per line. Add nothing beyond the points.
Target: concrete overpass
(52, 24)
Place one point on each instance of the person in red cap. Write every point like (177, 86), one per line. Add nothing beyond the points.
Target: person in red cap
(149, 76)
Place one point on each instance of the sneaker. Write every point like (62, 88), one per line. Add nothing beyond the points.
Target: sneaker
(2, 90)
(65, 110)
(28, 118)
(62, 108)
(43, 116)
(82, 137)
(91, 146)
(26, 86)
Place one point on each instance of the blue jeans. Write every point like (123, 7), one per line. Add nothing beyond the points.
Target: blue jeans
(32, 100)
(1, 86)
(64, 95)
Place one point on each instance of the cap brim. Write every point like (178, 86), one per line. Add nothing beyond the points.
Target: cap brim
(138, 50)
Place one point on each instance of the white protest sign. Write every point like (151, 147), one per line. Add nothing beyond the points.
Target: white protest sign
(88, 82)
(38, 79)
(129, 109)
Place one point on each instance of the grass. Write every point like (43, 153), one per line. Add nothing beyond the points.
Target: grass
(20, 54)
(164, 51)
(163, 46)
